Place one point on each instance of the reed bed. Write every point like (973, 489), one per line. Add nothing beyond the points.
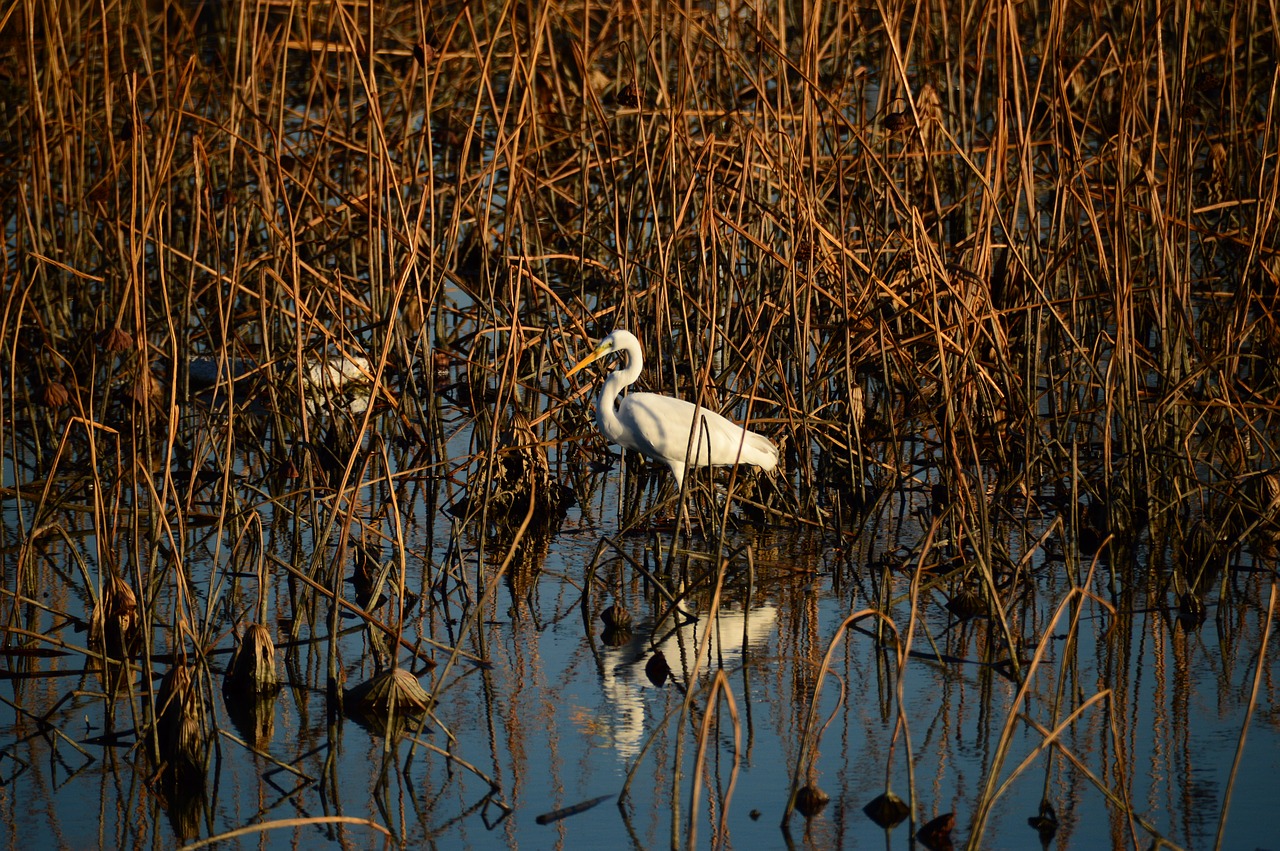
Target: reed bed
(284, 284)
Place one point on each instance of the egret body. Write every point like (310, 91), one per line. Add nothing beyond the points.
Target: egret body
(658, 426)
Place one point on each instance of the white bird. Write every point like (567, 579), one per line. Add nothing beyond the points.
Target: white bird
(658, 426)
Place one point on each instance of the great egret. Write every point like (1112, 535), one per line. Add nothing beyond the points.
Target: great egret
(658, 426)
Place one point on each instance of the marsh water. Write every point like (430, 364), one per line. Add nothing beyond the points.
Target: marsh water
(308, 540)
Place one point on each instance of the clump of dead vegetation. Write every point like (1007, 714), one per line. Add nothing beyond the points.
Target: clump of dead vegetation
(265, 262)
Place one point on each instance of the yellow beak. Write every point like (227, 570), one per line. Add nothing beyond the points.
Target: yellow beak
(600, 352)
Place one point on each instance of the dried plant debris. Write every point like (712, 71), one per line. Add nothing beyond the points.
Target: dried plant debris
(253, 664)
(115, 620)
(616, 617)
(1045, 821)
(811, 800)
(887, 810)
(657, 669)
(953, 305)
(392, 694)
(181, 731)
(967, 602)
(936, 833)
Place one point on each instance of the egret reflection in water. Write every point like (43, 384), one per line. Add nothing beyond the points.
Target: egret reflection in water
(628, 689)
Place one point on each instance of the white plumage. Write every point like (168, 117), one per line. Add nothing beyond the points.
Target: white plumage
(658, 426)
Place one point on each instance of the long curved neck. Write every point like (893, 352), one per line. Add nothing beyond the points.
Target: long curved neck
(606, 402)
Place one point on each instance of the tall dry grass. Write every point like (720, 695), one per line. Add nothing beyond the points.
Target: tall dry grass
(1022, 256)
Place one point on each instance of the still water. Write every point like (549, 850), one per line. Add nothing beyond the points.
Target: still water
(558, 717)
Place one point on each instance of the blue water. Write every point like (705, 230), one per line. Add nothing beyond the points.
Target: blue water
(560, 719)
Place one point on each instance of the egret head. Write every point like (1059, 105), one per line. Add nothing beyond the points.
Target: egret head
(614, 342)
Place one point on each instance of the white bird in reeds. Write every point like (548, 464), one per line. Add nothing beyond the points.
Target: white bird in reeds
(659, 427)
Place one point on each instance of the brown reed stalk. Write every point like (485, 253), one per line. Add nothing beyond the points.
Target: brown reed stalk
(718, 690)
(286, 824)
(990, 794)
(301, 184)
(691, 678)
(1258, 675)
(808, 739)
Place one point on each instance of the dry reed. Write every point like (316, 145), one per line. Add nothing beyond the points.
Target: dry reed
(264, 262)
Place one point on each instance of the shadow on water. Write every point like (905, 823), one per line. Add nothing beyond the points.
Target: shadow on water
(308, 536)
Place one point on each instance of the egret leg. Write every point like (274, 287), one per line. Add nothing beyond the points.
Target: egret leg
(677, 470)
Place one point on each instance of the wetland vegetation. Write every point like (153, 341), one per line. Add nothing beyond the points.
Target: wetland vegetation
(308, 538)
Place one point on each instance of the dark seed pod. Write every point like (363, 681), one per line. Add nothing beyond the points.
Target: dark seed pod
(811, 800)
(1201, 546)
(614, 637)
(657, 669)
(616, 617)
(1046, 823)
(630, 95)
(55, 395)
(887, 810)
(145, 387)
(117, 340)
(179, 725)
(1208, 83)
(1191, 611)
(1260, 499)
(424, 53)
(895, 121)
(396, 687)
(253, 664)
(115, 621)
(966, 603)
(936, 834)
